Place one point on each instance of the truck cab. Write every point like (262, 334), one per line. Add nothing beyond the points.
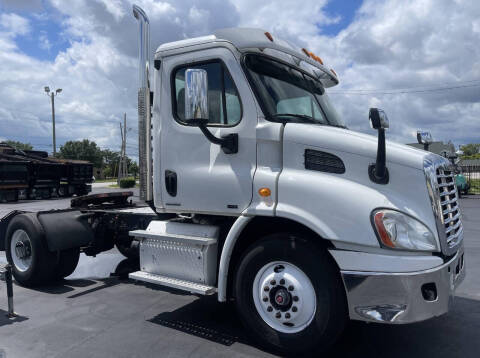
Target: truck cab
(263, 196)
(243, 131)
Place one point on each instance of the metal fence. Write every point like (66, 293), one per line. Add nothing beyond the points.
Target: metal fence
(472, 175)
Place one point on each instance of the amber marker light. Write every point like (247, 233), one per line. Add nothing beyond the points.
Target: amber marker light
(269, 36)
(319, 60)
(382, 232)
(264, 192)
(334, 72)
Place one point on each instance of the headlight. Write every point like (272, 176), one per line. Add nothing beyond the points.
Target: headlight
(397, 230)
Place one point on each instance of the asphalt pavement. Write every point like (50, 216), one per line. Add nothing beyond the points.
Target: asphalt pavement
(98, 312)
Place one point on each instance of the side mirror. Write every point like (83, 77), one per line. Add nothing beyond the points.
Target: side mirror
(196, 92)
(196, 109)
(378, 118)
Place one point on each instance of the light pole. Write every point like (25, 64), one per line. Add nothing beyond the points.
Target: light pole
(52, 96)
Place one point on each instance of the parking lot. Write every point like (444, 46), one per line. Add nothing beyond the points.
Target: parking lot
(97, 312)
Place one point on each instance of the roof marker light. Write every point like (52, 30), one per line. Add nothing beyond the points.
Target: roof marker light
(312, 56)
(269, 36)
(318, 59)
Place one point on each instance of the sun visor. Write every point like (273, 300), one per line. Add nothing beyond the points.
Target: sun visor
(246, 39)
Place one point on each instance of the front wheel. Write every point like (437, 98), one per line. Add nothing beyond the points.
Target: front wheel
(289, 295)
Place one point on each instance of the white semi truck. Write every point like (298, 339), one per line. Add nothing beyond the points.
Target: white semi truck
(260, 195)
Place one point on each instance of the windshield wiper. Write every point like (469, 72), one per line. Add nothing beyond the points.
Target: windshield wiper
(339, 126)
(301, 117)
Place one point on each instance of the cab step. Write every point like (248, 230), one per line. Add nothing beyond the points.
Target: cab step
(173, 282)
(180, 254)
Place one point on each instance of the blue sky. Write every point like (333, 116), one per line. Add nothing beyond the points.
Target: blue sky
(46, 40)
(46, 37)
(343, 9)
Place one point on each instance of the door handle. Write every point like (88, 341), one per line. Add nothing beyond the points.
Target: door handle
(171, 182)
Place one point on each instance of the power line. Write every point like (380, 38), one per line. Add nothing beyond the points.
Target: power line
(366, 92)
(435, 85)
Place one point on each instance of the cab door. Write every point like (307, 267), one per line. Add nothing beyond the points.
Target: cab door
(197, 175)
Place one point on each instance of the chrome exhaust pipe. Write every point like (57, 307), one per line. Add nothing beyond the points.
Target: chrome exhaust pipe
(144, 113)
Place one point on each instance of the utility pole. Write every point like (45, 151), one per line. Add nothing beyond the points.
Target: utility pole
(52, 97)
(120, 161)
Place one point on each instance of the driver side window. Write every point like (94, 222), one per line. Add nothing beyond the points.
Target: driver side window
(224, 107)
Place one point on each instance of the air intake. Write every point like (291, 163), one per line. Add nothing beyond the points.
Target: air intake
(323, 162)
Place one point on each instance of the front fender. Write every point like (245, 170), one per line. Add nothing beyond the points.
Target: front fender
(335, 208)
(338, 206)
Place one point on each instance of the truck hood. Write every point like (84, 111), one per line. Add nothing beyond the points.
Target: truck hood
(344, 140)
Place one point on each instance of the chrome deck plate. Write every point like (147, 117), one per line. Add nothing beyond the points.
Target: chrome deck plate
(173, 282)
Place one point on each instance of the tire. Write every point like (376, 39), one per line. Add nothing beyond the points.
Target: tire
(62, 191)
(316, 289)
(45, 194)
(67, 262)
(127, 250)
(33, 264)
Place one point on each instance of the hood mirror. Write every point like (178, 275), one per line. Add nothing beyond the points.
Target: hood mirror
(424, 138)
(378, 171)
(378, 119)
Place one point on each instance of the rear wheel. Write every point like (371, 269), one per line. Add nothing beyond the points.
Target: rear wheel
(62, 191)
(27, 252)
(127, 249)
(289, 295)
(67, 262)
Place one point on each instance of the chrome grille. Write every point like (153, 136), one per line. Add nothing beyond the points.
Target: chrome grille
(451, 216)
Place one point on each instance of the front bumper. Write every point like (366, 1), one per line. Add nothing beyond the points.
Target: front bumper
(403, 297)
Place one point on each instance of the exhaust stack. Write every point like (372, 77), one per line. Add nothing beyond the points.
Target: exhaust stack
(144, 120)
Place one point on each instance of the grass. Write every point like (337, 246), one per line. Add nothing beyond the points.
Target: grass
(105, 180)
(474, 186)
(117, 186)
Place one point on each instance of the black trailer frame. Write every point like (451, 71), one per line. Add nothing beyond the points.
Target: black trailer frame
(93, 223)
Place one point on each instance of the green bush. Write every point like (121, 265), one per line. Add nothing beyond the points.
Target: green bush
(127, 182)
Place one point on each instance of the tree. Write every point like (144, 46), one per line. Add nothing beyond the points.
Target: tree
(107, 172)
(19, 145)
(82, 150)
(132, 167)
(111, 160)
(470, 149)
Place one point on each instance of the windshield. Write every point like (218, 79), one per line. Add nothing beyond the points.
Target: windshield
(288, 95)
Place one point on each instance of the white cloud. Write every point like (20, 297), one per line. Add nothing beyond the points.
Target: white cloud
(14, 24)
(43, 41)
(390, 44)
(410, 44)
(115, 8)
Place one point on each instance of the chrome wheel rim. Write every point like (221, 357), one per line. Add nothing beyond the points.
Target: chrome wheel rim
(21, 250)
(284, 297)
